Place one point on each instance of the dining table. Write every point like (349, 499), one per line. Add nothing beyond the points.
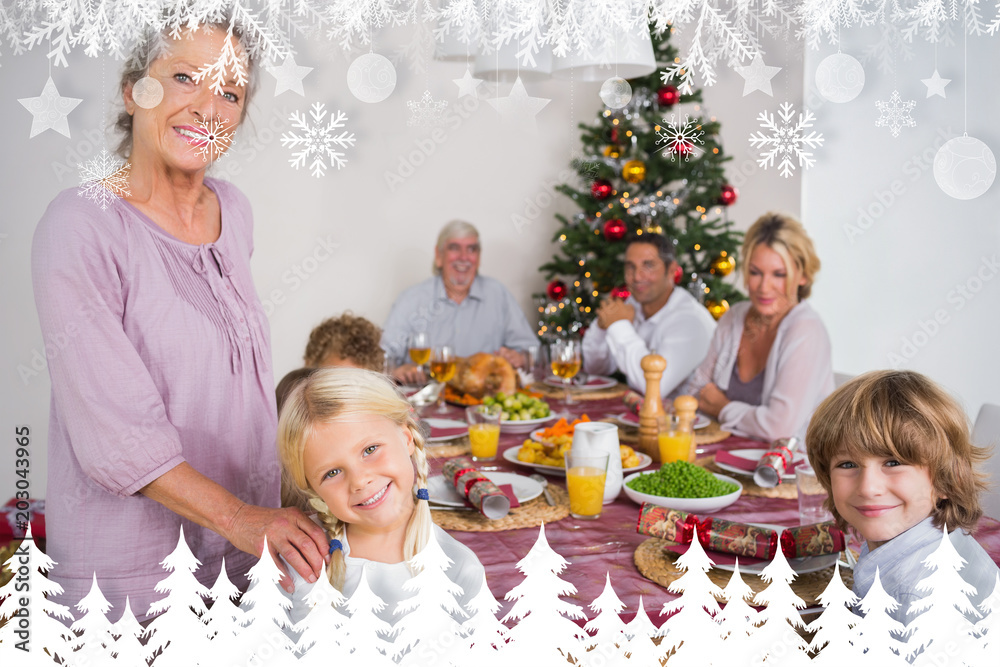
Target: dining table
(596, 549)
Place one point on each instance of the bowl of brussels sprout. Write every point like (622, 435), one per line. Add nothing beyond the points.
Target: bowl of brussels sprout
(683, 486)
(522, 413)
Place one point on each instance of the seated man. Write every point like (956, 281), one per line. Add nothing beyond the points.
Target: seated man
(457, 307)
(655, 318)
(347, 340)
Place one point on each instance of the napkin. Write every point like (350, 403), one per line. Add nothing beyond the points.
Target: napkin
(452, 432)
(748, 465)
(476, 487)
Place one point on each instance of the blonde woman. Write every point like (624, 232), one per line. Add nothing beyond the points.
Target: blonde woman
(769, 363)
(349, 442)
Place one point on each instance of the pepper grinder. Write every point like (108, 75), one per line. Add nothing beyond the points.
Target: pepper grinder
(653, 366)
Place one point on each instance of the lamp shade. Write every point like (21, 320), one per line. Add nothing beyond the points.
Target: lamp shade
(626, 54)
(503, 65)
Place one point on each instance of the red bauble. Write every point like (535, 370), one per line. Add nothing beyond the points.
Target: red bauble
(678, 274)
(556, 290)
(601, 189)
(614, 135)
(729, 195)
(683, 148)
(620, 292)
(614, 230)
(667, 96)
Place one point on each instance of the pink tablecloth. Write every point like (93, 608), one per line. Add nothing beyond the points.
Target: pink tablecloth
(595, 548)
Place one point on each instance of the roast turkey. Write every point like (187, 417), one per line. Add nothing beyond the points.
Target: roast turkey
(484, 374)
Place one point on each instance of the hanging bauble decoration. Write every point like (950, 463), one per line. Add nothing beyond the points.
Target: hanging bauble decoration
(723, 265)
(612, 151)
(616, 92)
(697, 287)
(601, 189)
(556, 290)
(678, 274)
(683, 149)
(717, 308)
(614, 135)
(729, 195)
(634, 171)
(667, 96)
(620, 292)
(615, 230)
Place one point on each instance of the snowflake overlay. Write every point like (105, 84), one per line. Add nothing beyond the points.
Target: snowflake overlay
(787, 139)
(680, 138)
(427, 112)
(217, 138)
(317, 140)
(895, 114)
(103, 179)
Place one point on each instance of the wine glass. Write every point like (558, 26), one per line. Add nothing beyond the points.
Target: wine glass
(442, 370)
(565, 361)
(420, 348)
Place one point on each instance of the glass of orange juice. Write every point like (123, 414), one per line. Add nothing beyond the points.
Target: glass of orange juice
(484, 430)
(675, 440)
(585, 475)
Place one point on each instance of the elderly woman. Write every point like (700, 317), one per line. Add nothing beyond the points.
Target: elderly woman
(162, 411)
(768, 365)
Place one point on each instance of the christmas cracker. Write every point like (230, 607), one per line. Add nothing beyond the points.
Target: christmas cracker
(737, 538)
(817, 539)
(665, 523)
(633, 401)
(775, 462)
(470, 483)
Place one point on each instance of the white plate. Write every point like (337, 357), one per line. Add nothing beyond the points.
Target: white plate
(632, 420)
(754, 455)
(523, 425)
(698, 505)
(443, 493)
(799, 565)
(435, 422)
(510, 455)
(605, 383)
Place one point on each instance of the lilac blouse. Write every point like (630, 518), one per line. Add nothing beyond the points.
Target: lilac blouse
(159, 353)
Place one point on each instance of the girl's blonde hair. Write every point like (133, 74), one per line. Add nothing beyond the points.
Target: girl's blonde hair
(332, 394)
(905, 416)
(786, 236)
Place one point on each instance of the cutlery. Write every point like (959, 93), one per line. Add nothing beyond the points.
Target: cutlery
(545, 487)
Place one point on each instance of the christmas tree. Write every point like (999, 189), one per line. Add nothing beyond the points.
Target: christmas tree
(652, 165)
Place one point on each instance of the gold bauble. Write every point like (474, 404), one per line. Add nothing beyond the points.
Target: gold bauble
(717, 308)
(612, 151)
(634, 171)
(723, 265)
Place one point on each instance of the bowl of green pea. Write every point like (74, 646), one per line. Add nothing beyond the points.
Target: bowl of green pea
(683, 486)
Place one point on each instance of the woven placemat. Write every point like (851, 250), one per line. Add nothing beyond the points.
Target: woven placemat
(595, 395)
(657, 564)
(784, 490)
(456, 447)
(532, 513)
(703, 436)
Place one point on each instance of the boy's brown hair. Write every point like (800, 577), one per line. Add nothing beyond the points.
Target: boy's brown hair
(905, 416)
(350, 337)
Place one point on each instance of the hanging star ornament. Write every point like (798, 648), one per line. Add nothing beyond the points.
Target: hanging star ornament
(519, 105)
(935, 84)
(50, 110)
(467, 85)
(757, 76)
(895, 114)
(289, 76)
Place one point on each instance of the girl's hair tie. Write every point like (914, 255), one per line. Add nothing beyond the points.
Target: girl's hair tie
(335, 545)
(423, 495)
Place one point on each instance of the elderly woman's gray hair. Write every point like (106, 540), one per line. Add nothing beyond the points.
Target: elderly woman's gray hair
(145, 53)
(456, 229)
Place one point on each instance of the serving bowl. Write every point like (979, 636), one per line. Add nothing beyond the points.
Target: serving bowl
(694, 505)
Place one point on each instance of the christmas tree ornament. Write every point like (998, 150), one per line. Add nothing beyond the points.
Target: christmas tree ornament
(678, 275)
(556, 290)
(50, 111)
(895, 114)
(634, 171)
(620, 292)
(723, 265)
(614, 135)
(615, 230)
(717, 308)
(840, 78)
(787, 141)
(371, 78)
(729, 195)
(612, 151)
(518, 106)
(147, 92)
(935, 84)
(696, 287)
(426, 112)
(467, 85)
(679, 137)
(757, 76)
(601, 189)
(667, 96)
(964, 168)
(616, 92)
(289, 76)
